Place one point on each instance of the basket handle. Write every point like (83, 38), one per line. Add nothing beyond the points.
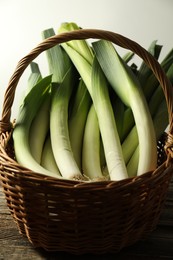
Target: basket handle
(124, 42)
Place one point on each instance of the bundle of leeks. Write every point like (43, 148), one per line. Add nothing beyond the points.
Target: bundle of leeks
(95, 117)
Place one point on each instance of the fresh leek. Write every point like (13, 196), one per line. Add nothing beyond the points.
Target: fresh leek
(97, 88)
(129, 90)
(91, 165)
(59, 128)
(39, 129)
(47, 158)
(27, 112)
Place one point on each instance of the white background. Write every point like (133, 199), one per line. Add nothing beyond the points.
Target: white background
(22, 21)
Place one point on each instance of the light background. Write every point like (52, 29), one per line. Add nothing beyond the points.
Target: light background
(22, 21)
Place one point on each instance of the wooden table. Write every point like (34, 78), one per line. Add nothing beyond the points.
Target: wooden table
(159, 244)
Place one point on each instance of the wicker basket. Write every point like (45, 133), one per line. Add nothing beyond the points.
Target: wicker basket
(80, 217)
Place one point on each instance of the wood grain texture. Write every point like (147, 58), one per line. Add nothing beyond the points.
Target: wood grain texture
(159, 245)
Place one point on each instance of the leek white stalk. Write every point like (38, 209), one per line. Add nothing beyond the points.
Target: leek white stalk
(39, 129)
(111, 141)
(47, 158)
(130, 143)
(59, 128)
(64, 78)
(128, 123)
(28, 111)
(132, 165)
(91, 165)
(127, 87)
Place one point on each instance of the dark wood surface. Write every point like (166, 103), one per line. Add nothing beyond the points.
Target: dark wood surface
(159, 245)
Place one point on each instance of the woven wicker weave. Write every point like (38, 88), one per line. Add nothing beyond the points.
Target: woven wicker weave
(80, 217)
